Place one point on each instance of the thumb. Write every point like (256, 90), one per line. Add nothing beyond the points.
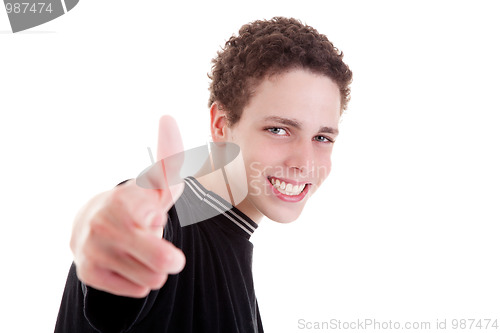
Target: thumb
(169, 138)
(171, 157)
(166, 171)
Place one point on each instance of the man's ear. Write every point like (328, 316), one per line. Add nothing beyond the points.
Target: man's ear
(218, 122)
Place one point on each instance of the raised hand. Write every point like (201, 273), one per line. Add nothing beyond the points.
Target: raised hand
(116, 238)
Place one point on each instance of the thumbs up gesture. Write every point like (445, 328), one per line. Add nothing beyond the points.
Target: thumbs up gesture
(116, 238)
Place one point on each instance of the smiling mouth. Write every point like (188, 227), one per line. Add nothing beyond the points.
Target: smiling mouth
(287, 188)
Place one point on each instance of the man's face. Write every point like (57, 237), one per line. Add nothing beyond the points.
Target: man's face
(286, 135)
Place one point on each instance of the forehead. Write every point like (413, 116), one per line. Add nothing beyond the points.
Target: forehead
(299, 94)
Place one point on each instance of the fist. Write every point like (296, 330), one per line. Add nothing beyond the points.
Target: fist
(117, 236)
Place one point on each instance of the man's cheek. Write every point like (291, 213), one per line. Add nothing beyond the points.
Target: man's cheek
(254, 188)
(323, 171)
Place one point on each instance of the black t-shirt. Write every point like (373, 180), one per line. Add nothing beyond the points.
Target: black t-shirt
(213, 293)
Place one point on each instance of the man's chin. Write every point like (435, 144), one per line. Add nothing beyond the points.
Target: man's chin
(284, 221)
(284, 216)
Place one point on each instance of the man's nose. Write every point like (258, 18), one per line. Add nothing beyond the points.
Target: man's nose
(300, 157)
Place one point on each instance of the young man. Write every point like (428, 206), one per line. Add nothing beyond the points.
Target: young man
(278, 91)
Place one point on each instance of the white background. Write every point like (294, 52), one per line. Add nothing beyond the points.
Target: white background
(406, 227)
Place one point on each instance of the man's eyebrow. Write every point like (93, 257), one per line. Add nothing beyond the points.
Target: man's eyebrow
(297, 124)
(330, 130)
(284, 121)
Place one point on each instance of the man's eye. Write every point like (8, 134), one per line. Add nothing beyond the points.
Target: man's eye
(277, 130)
(321, 138)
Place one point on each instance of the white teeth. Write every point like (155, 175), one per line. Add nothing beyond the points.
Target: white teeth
(287, 189)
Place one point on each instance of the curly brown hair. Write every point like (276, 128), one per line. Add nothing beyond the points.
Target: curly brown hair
(271, 47)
